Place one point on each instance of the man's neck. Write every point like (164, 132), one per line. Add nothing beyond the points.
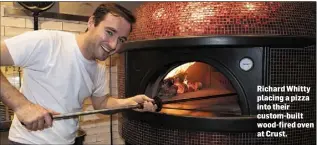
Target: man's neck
(83, 45)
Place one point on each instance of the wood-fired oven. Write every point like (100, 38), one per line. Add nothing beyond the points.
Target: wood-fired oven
(206, 60)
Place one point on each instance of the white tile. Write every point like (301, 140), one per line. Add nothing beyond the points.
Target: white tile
(59, 20)
(114, 80)
(115, 127)
(118, 141)
(29, 22)
(52, 25)
(2, 31)
(14, 22)
(114, 91)
(115, 134)
(96, 130)
(74, 27)
(4, 38)
(90, 138)
(115, 122)
(13, 31)
(103, 136)
(85, 23)
(2, 10)
(114, 69)
(88, 125)
(106, 142)
(104, 123)
(48, 25)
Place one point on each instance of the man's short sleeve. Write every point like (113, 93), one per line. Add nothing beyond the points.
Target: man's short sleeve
(101, 87)
(30, 49)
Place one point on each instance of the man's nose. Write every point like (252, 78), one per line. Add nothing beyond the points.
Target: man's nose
(113, 44)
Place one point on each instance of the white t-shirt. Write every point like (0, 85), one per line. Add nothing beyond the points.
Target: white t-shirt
(56, 76)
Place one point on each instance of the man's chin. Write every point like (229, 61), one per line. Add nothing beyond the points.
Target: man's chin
(103, 58)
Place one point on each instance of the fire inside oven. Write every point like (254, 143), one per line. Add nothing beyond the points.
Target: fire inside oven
(197, 89)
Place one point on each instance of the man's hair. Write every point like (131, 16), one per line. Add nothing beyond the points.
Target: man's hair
(113, 8)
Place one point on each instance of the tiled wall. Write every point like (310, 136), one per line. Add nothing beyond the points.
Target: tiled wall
(97, 127)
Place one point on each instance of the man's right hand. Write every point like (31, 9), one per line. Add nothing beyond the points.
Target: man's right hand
(34, 117)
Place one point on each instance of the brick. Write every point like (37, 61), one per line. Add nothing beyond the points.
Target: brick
(29, 22)
(114, 84)
(115, 120)
(4, 38)
(2, 31)
(52, 25)
(2, 9)
(13, 22)
(87, 125)
(85, 23)
(115, 127)
(113, 80)
(114, 69)
(118, 141)
(96, 130)
(59, 20)
(114, 91)
(49, 25)
(13, 31)
(103, 136)
(116, 135)
(89, 117)
(7, 4)
(103, 123)
(90, 138)
(74, 27)
(106, 142)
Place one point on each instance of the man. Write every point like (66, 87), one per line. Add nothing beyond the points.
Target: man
(60, 71)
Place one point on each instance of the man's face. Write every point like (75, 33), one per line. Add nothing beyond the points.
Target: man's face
(108, 36)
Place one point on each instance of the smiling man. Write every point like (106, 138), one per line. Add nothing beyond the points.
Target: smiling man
(60, 71)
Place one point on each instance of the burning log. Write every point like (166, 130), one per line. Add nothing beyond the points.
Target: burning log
(168, 88)
(176, 83)
(181, 88)
(194, 86)
(172, 86)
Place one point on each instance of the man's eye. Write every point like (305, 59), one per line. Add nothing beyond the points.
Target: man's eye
(121, 40)
(109, 33)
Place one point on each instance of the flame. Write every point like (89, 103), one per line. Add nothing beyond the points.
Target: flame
(179, 69)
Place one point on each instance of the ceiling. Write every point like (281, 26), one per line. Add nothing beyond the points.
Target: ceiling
(84, 8)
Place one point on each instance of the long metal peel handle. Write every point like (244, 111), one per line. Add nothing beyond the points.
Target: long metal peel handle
(103, 111)
(108, 111)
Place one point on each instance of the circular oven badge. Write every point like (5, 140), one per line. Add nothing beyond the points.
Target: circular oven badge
(246, 64)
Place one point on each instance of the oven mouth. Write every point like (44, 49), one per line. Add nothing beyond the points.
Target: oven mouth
(196, 89)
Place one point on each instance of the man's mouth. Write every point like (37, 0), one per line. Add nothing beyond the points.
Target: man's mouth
(110, 51)
(105, 48)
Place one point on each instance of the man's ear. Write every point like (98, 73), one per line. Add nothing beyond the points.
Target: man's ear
(91, 22)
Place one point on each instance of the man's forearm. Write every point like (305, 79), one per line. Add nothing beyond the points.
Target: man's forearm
(112, 102)
(10, 96)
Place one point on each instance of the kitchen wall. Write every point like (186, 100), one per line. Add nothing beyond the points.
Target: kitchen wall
(97, 127)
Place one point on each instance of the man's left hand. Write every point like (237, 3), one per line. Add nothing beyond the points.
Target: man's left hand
(148, 103)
